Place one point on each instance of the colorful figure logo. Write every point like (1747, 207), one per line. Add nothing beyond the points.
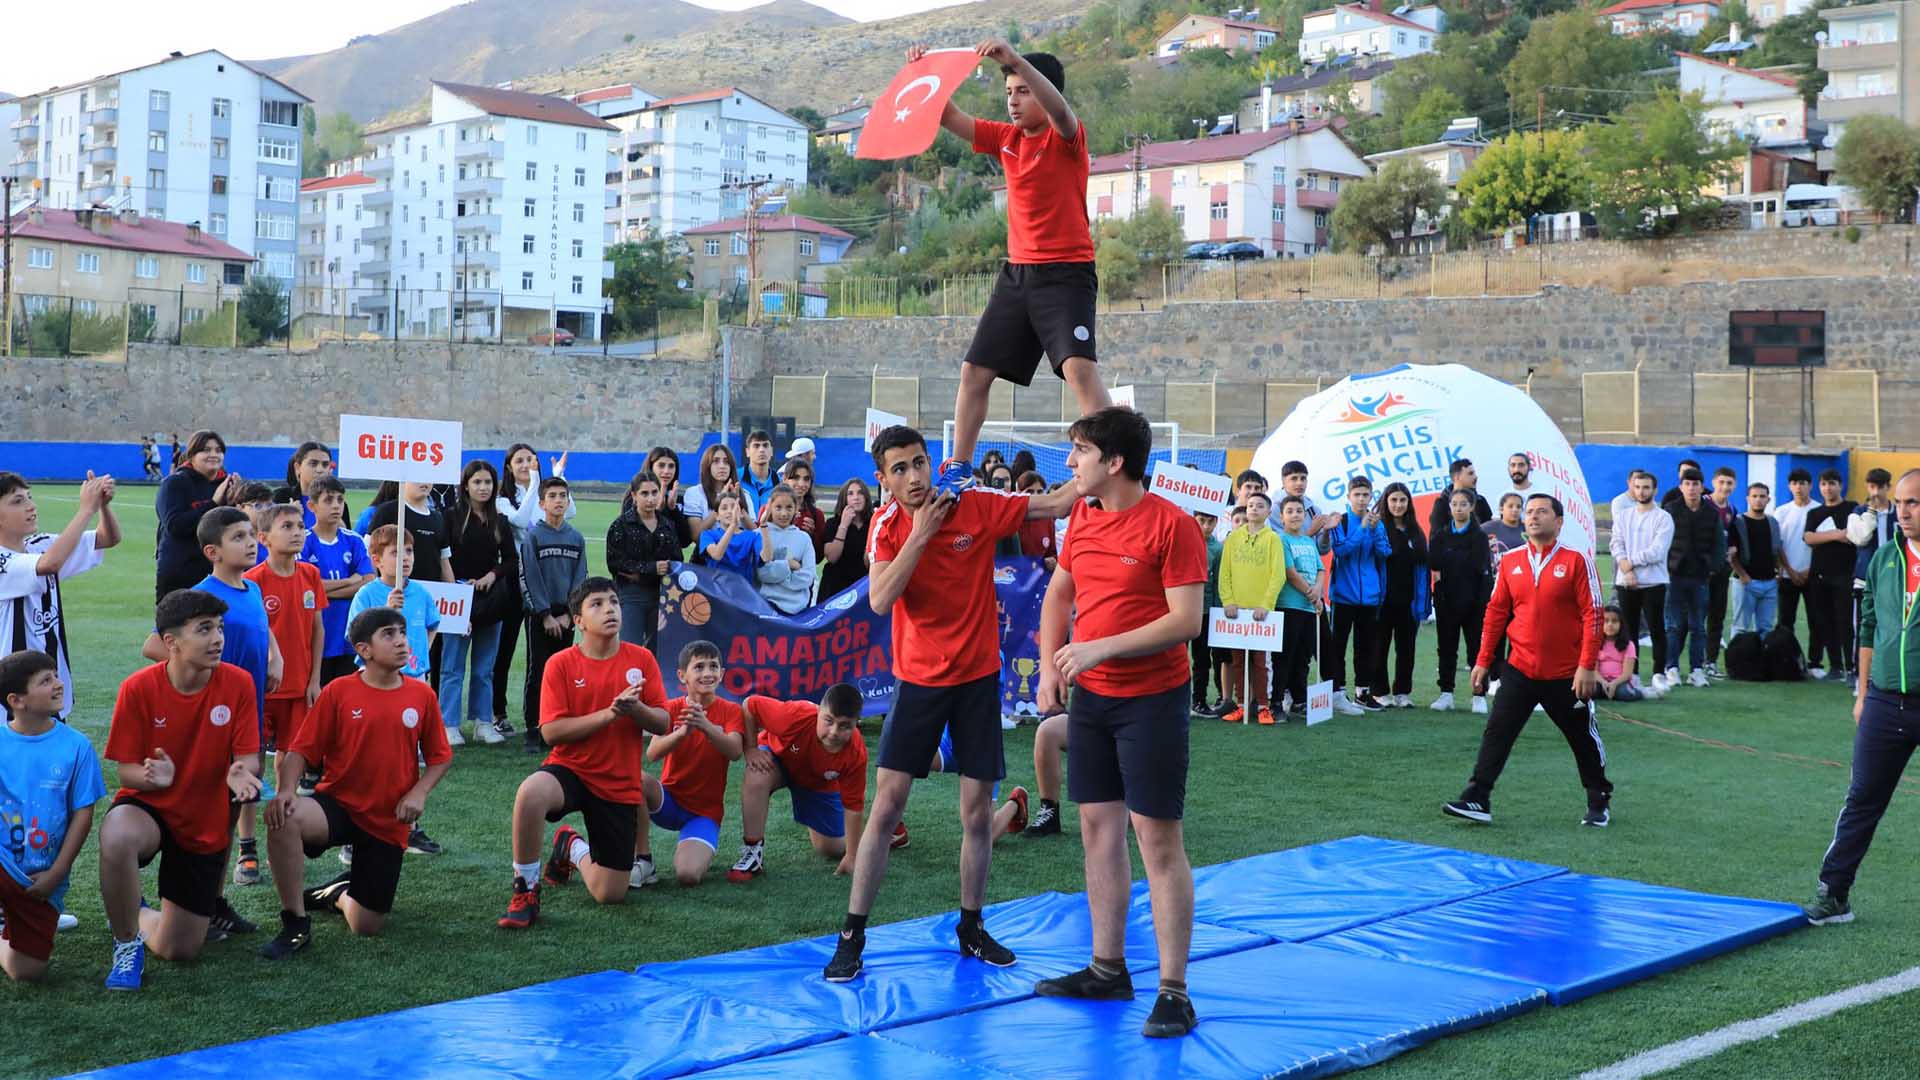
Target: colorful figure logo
(1368, 413)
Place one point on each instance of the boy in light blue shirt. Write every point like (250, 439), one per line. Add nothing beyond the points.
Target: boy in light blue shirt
(392, 553)
(49, 780)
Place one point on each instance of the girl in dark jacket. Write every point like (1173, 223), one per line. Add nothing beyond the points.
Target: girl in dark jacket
(846, 544)
(1407, 601)
(1462, 583)
(664, 464)
(196, 486)
(641, 543)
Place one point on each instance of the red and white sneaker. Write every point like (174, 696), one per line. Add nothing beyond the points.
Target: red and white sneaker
(524, 909)
(750, 865)
(900, 838)
(1018, 797)
(559, 866)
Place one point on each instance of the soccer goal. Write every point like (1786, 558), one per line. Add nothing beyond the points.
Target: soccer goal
(1047, 441)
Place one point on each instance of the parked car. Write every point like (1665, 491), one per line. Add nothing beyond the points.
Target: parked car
(1203, 250)
(1239, 249)
(561, 337)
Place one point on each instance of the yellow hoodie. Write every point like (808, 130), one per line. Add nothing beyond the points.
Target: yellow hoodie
(1251, 568)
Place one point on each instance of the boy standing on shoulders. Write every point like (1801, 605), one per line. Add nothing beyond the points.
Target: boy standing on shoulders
(49, 780)
(1046, 294)
(372, 732)
(817, 754)
(187, 739)
(708, 736)
(1130, 581)
(599, 697)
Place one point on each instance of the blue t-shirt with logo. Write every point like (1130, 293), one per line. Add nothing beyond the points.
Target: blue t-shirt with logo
(344, 558)
(1301, 554)
(418, 608)
(44, 780)
(249, 640)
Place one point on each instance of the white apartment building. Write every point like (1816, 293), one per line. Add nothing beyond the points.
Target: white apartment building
(192, 139)
(331, 248)
(1369, 29)
(486, 219)
(677, 163)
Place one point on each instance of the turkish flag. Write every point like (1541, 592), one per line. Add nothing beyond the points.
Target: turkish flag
(906, 117)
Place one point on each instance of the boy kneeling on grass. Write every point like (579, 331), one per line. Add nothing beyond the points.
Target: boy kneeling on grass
(49, 781)
(708, 735)
(369, 732)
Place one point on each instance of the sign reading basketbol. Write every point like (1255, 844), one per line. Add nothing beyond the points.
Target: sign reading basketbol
(455, 601)
(399, 448)
(1245, 632)
(1191, 489)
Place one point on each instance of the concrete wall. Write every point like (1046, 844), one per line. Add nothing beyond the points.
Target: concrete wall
(1891, 246)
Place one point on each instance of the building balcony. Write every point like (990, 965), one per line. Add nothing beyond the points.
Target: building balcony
(24, 168)
(482, 150)
(106, 116)
(310, 248)
(479, 185)
(366, 302)
(1313, 199)
(98, 190)
(101, 155)
(375, 268)
(1838, 108)
(1854, 56)
(477, 223)
(476, 260)
(25, 132)
(377, 199)
(377, 167)
(376, 234)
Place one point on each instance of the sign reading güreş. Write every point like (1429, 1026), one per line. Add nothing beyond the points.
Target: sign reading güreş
(1408, 423)
(399, 448)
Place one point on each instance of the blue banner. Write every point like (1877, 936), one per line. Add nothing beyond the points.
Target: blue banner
(839, 640)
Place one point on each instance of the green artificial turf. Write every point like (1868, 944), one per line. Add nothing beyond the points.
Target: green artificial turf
(1736, 795)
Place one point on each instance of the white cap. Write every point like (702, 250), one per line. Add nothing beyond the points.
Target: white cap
(801, 445)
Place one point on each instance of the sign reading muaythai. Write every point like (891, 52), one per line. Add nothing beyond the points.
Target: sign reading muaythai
(1245, 632)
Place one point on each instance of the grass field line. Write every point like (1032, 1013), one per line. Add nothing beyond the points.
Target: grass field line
(1673, 1055)
(1742, 748)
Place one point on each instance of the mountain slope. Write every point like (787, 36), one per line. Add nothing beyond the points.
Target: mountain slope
(492, 41)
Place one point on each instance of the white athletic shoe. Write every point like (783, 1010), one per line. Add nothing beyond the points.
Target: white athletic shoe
(1646, 641)
(487, 733)
(1403, 701)
(66, 923)
(1816, 673)
(1657, 686)
(454, 738)
(1443, 702)
(1673, 676)
(1480, 705)
(1344, 705)
(1698, 678)
(642, 874)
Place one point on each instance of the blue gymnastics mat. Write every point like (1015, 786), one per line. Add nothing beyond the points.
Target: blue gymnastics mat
(1305, 892)
(608, 1026)
(1278, 1011)
(915, 972)
(857, 1058)
(1574, 935)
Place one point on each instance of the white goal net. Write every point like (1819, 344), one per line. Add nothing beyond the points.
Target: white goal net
(1047, 442)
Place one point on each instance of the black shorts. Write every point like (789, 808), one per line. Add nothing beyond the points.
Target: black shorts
(190, 879)
(335, 667)
(376, 863)
(1129, 748)
(1036, 308)
(612, 828)
(969, 712)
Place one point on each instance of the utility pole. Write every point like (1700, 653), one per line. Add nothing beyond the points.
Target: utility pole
(752, 186)
(6, 267)
(1540, 114)
(1139, 144)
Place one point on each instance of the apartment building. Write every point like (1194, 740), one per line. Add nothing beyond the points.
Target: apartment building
(1872, 59)
(486, 219)
(789, 245)
(331, 248)
(1448, 159)
(1683, 17)
(1310, 93)
(1238, 36)
(1370, 29)
(101, 259)
(681, 162)
(190, 139)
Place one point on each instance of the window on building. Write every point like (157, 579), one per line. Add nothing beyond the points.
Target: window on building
(1279, 214)
(533, 171)
(283, 113)
(1279, 176)
(217, 224)
(277, 188)
(222, 108)
(439, 245)
(760, 157)
(159, 101)
(579, 178)
(219, 149)
(281, 150)
(273, 226)
(337, 235)
(87, 262)
(157, 141)
(526, 281)
(157, 181)
(580, 140)
(526, 244)
(526, 208)
(1319, 219)
(1333, 183)
(1180, 216)
(533, 135)
(739, 244)
(580, 213)
(146, 266)
(196, 273)
(579, 249)
(696, 174)
(42, 258)
(192, 316)
(806, 245)
(219, 184)
(440, 209)
(356, 246)
(711, 247)
(1217, 210)
(1423, 41)
(440, 173)
(403, 249)
(579, 285)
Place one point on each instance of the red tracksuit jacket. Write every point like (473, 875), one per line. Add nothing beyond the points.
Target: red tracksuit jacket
(1549, 613)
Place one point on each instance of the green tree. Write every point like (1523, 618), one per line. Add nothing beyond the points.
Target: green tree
(1879, 158)
(1521, 175)
(1466, 67)
(1568, 57)
(809, 116)
(1130, 253)
(1790, 42)
(1650, 165)
(328, 138)
(263, 310)
(1430, 116)
(647, 276)
(1390, 202)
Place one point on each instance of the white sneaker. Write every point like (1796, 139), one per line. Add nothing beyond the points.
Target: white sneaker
(454, 738)
(1698, 678)
(1657, 686)
(1344, 705)
(1480, 704)
(487, 733)
(1646, 641)
(1673, 676)
(66, 923)
(1443, 702)
(642, 874)
(1403, 701)
(1816, 673)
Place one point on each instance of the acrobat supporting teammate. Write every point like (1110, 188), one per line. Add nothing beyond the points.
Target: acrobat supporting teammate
(932, 569)
(1045, 296)
(1130, 580)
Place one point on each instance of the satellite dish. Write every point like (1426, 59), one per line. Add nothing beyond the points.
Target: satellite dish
(1821, 37)
(681, 284)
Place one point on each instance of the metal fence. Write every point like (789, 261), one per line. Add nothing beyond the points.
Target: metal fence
(62, 326)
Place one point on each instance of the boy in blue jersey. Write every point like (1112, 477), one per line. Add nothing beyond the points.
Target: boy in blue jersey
(49, 780)
(341, 556)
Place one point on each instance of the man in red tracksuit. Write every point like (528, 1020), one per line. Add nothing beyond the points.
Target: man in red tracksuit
(1547, 606)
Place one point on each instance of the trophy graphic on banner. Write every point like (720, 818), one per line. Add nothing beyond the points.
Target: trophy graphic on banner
(1026, 666)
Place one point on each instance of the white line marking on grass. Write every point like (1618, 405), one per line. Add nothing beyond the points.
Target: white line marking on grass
(1673, 1055)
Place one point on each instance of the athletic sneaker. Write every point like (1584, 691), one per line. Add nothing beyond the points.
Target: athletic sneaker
(308, 781)
(751, 864)
(1345, 706)
(129, 963)
(979, 944)
(1698, 678)
(1597, 815)
(326, 898)
(504, 726)
(65, 923)
(1403, 701)
(1658, 684)
(1221, 708)
(1826, 910)
(296, 933)
(228, 921)
(1443, 702)
(1089, 984)
(1480, 704)
(1018, 797)
(454, 738)
(1673, 676)
(560, 862)
(1714, 672)
(955, 477)
(900, 838)
(419, 843)
(846, 963)
(1297, 712)
(1171, 1018)
(1045, 821)
(1646, 641)
(246, 870)
(1463, 807)
(1368, 702)
(1234, 715)
(1816, 673)
(524, 909)
(487, 733)
(1264, 716)
(642, 875)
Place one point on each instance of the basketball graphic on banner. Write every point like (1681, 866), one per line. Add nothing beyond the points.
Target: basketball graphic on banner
(695, 609)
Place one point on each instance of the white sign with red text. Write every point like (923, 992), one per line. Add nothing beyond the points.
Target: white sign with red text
(1122, 395)
(1191, 489)
(399, 448)
(455, 601)
(878, 422)
(1245, 632)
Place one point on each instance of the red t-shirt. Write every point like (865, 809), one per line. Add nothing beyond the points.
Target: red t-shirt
(1122, 564)
(693, 771)
(1037, 538)
(202, 733)
(791, 730)
(293, 603)
(371, 742)
(1046, 191)
(945, 627)
(574, 684)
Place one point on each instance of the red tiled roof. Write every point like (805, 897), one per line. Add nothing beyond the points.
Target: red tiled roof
(605, 93)
(148, 235)
(1783, 80)
(782, 223)
(524, 106)
(1197, 151)
(1646, 5)
(328, 183)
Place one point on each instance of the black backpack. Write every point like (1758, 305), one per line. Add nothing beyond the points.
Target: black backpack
(1747, 657)
(1785, 661)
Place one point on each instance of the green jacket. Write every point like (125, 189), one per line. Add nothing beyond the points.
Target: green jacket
(1212, 591)
(1895, 640)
